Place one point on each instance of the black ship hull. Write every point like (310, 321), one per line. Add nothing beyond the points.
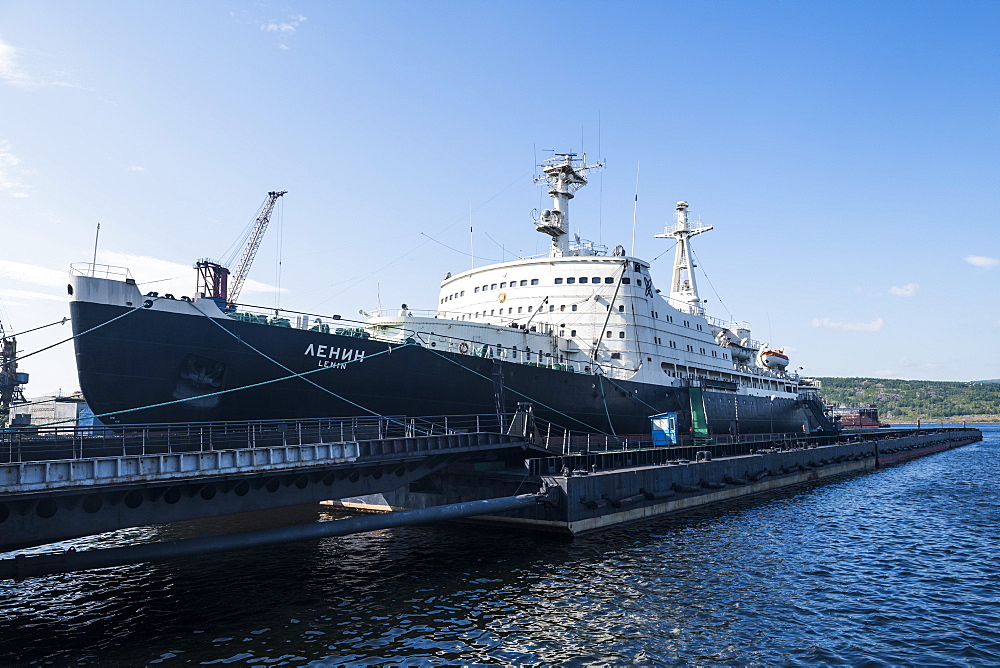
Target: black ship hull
(153, 367)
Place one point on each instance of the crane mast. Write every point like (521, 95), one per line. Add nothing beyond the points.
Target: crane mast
(213, 277)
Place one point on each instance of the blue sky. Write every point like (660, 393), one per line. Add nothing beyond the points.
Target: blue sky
(847, 154)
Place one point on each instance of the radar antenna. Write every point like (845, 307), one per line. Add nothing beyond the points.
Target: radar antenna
(565, 173)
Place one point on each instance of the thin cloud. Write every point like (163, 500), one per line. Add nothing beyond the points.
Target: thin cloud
(907, 290)
(33, 295)
(10, 171)
(284, 29)
(136, 168)
(32, 273)
(982, 261)
(13, 74)
(164, 276)
(849, 326)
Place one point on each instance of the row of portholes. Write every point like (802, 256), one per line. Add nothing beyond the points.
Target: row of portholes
(93, 503)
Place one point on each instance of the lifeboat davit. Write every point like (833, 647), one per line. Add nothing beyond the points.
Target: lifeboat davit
(773, 359)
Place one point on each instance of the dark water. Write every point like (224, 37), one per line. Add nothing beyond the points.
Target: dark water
(896, 567)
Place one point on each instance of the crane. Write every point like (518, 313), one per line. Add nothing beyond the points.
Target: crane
(213, 277)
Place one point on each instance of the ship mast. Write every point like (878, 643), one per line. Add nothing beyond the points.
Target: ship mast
(683, 288)
(565, 174)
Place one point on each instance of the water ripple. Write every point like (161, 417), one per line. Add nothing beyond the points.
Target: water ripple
(893, 567)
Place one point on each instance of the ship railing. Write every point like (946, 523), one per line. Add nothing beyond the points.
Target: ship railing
(68, 442)
(686, 447)
(100, 271)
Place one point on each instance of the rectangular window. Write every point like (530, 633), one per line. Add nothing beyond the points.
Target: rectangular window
(493, 287)
(638, 282)
(621, 335)
(616, 356)
(621, 308)
(558, 281)
(523, 283)
(476, 290)
(583, 279)
(503, 285)
(509, 310)
(570, 280)
(529, 309)
(572, 332)
(609, 279)
(552, 307)
(534, 281)
(626, 280)
(520, 309)
(562, 307)
(595, 279)
(574, 307)
(608, 335)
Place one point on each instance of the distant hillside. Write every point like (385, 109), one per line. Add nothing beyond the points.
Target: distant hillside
(908, 400)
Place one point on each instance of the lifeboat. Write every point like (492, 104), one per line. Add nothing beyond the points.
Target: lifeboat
(738, 348)
(772, 359)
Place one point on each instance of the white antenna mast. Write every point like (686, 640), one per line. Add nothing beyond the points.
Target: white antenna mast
(683, 289)
(635, 207)
(565, 173)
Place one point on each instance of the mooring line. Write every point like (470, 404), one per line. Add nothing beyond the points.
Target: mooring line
(554, 410)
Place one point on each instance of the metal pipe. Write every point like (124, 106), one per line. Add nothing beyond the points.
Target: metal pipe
(24, 566)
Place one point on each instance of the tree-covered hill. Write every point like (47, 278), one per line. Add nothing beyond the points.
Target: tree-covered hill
(908, 400)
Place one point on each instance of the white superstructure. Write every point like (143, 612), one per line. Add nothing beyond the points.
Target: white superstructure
(581, 310)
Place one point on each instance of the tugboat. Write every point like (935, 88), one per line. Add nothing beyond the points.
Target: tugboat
(581, 334)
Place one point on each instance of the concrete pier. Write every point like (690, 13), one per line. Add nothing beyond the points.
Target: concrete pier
(602, 490)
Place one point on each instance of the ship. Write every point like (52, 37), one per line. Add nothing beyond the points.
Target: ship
(861, 416)
(581, 334)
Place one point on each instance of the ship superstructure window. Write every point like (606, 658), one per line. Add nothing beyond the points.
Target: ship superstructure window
(583, 279)
(572, 332)
(609, 279)
(529, 309)
(595, 279)
(608, 335)
(503, 285)
(699, 328)
(621, 308)
(702, 350)
(520, 309)
(493, 287)
(616, 356)
(562, 307)
(523, 283)
(574, 307)
(687, 324)
(673, 344)
(552, 307)
(570, 280)
(558, 281)
(638, 282)
(626, 280)
(714, 354)
(621, 335)
(476, 290)
(534, 281)
(462, 294)
(690, 348)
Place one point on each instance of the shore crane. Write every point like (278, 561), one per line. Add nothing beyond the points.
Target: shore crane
(213, 277)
